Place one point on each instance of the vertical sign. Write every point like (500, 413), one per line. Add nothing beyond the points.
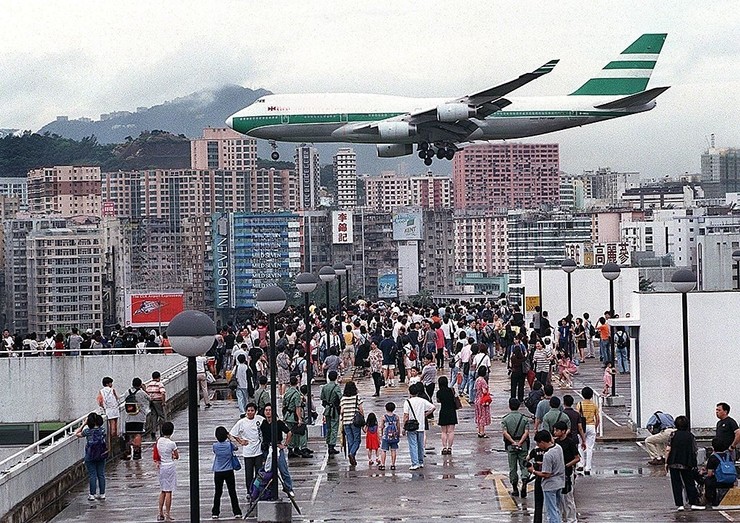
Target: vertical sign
(341, 227)
(575, 251)
(387, 283)
(223, 267)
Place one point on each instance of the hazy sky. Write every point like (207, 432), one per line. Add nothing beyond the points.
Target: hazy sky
(83, 58)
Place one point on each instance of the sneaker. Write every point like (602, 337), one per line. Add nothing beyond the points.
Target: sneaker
(414, 467)
(698, 507)
(656, 461)
(587, 472)
(215, 516)
(421, 465)
(680, 508)
(515, 493)
(91, 497)
(289, 493)
(101, 497)
(160, 517)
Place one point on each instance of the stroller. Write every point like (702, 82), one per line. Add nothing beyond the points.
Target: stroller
(261, 490)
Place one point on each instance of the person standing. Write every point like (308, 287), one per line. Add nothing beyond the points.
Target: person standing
(447, 414)
(376, 366)
(108, 401)
(200, 369)
(168, 453)
(429, 374)
(516, 365)
(223, 471)
(590, 331)
(246, 432)
(552, 474)
(681, 462)
(293, 417)
(727, 429)
(262, 396)
(96, 452)
(266, 428)
(137, 407)
(388, 347)
(571, 458)
(588, 410)
(243, 383)
(661, 426)
(515, 430)
(482, 405)
(349, 405)
(157, 403)
(416, 408)
(331, 396)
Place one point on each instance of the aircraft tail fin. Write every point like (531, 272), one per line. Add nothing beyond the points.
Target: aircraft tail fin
(630, 72)
(634, 100)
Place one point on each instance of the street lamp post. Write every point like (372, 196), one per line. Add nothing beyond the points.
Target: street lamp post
(306, 283)
(684, 281)
(271, 300)
(348, 266)
(569, 265)
(327, 275)
(540, 262)
(191, 334)
(340, 269)
(736, 259)
(611, 271)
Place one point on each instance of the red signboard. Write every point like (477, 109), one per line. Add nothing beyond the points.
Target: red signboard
(149, 310)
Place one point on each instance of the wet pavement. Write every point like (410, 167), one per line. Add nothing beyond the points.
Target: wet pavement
(471, 484)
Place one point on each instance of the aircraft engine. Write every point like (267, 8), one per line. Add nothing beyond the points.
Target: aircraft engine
(391, 150)
(454, 112)
(396, 129)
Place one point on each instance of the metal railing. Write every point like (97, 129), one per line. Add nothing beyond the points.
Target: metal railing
(18, 459)
(51, 353)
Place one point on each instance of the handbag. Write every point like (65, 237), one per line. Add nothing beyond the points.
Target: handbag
(299, 430)
(582, 419)
(459, 379)
(486, 399)
(236, 463)
(411, 425)
(358, 420)
(458, 403)
(233, 383)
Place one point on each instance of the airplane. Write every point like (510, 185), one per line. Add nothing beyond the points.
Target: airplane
(442, 126)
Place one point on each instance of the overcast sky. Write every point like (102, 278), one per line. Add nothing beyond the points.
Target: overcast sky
(83, 58)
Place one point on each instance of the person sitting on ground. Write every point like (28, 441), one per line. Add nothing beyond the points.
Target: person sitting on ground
(711, 484)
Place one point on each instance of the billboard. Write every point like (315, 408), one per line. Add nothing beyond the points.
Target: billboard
(342, 227)
(576, 252)
(387, 283)
(223, 261)
(153, 309)
(618, 253)
(407, 224)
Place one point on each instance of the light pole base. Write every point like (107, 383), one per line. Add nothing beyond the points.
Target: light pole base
(615, 401)
(274, 512)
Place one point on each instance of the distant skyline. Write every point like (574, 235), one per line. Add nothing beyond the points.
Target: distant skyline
(84, 58)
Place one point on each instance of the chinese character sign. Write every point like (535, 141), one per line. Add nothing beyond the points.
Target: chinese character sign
(618, 253)
(575, 252)
(341, 226)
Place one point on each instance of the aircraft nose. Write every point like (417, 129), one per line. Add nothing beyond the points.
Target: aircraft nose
(230, 121)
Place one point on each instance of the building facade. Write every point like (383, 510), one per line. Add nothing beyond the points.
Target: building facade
(65, 191)
(720, 171)
(387, 191)
(223, 149)
(308, 171)
(481, 243)
(345, 172)
(431, 192)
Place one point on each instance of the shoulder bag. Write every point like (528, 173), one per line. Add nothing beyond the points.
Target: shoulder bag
(358, 420)
(411, 425)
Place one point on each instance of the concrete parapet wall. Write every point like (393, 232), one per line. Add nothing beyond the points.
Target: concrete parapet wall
(64, 388)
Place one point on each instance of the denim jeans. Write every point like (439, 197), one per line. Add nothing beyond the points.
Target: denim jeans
(454, 371)
(282, 467)
(352, 434)
(623, 364)
(471, 387)
(604, 352)
(242, 398)
(96, 475)
(416, 447)
(552, 506)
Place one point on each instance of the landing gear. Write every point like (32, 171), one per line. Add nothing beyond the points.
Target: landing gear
(442, 150)
(275, 155)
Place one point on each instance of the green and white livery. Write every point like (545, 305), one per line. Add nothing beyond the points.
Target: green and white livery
(441, 126)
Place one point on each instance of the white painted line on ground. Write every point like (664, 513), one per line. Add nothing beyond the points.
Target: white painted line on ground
(316, 488)
(726, 515)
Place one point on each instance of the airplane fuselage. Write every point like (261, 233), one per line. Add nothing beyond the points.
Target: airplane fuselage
(344, 117)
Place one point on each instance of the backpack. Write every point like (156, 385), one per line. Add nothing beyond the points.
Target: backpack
(390, 432)
(725, 471)
(591, 329)
(96, 449)
(131, 404)
(622, 340)
(533, 399)
(296, 370)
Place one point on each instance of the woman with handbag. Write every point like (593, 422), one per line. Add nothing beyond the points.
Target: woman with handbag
(349, 407)
(448, 405)
(224, 464)
(482, 403)
(681, 463)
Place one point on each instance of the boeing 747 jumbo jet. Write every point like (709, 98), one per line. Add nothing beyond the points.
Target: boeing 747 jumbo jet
(442, 126)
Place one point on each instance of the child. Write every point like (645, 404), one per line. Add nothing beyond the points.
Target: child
(390, 428)
(608, 373)
(223, 470)
(414, 376)
(372, 441)
(167, 454)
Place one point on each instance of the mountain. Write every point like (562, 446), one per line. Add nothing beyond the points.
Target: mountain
(187, 116)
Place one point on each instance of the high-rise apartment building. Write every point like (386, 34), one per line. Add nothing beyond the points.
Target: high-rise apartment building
(481, 242)
(607, 186)
(65, 190)
(506, 176)
(15, 188)
(720, 171)
(223, 149)
(431, 191)
(309, 176)
(345, 172)
(387, 191)
(273, 190)
(437, 252)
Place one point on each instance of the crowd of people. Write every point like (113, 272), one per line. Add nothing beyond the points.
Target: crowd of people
(444, 358)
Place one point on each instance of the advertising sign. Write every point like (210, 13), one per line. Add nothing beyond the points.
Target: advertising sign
(618, 253)
(153, 309)
(530, 302)
(575, 251)
(223, 266)
(341, 227)
(407, 224)
(387, 283)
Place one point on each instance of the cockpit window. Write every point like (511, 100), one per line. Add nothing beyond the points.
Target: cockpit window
(261, 101)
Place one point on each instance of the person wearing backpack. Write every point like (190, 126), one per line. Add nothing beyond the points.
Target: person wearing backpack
(96, 452)
(721, 472)
(390, 430)
(136, 406)
(622, 345)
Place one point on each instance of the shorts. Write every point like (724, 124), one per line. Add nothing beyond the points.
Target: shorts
(134, 427)
(386, 445)
(389, 367)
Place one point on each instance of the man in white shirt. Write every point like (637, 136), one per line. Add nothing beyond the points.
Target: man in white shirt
(200, 369)
(416, 408)
(246, 432)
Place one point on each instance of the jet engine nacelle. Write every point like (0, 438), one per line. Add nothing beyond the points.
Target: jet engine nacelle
(391, 150)
(454, 112)
(393, 130)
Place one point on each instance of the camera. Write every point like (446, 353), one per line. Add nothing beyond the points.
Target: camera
(528, 464)
(516, 448)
